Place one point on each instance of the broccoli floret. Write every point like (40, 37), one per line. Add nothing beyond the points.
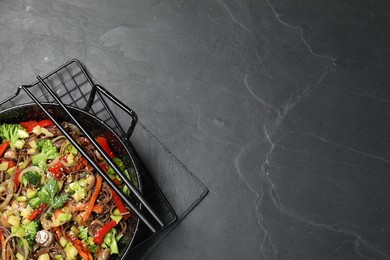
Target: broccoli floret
(92, 247)
(15, 134)
(83, 234)
(33, 178)
(35, 202)
(31, 230)
(111, 242)
(47, 151)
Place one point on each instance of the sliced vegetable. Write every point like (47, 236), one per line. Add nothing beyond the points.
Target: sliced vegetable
(120, 205)
(2, 242)
(58, 257)
(44, 256)
(83, 234)
(71, 149)
(82, 249)
(34, 202)
(37, 212)
(121, 166)
(16, 178)
(92, 200)
(71, 251)
(63, 217)
(21, 199)
(92, 247)
(105, 146)
(104, 166)
(18, 231)
(19, 256)
(116, 215)
(116, 181)
(77, 190)
(31, 193)
(29, 125)
(3, 166)
(99, 237)
(4, 147)
(96, 208)
(111, 242)
(56, 170)
(7, 164)
(63, 241)
(14, 221)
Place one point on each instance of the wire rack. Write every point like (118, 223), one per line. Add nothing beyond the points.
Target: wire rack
(75, 88)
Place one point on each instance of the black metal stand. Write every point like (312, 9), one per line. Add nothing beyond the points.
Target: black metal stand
(74, 87)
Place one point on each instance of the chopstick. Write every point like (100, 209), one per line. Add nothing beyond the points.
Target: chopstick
(93, 163)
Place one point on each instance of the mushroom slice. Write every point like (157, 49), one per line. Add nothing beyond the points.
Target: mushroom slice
(44, 238)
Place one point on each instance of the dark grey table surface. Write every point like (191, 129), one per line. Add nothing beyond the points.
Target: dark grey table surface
(279, 107)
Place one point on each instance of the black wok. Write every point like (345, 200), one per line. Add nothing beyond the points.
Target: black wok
(95, 127)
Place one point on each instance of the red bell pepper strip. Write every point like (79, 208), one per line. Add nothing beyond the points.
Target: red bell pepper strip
(31, 124)
(104, 166)
(28, 123)
(3, 147)
(37, 212)
(82, 164)
(104, 145)
(56, 169)
(99, 236)
(120, 205)
(116, 181)
(83, 161)
(16, 178)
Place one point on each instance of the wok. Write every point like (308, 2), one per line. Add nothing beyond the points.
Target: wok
(95, 127)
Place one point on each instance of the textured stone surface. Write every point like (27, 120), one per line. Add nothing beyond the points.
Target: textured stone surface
(280, 107)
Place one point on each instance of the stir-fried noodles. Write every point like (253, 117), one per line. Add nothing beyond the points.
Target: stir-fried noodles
(53, 204)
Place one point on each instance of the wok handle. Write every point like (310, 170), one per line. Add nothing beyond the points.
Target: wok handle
(100, 91)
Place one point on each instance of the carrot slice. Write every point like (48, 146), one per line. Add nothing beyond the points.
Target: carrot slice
(91, 202)
(96, 208)
(81, 252)
(37, 212)
(58, 231)
(82, 249)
